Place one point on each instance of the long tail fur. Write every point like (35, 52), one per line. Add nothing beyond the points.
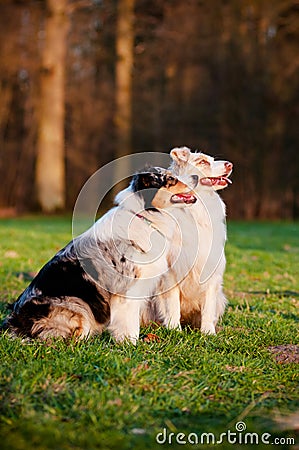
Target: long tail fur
(53, 317)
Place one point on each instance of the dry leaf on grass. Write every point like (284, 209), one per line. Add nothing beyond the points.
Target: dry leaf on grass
(151, 337)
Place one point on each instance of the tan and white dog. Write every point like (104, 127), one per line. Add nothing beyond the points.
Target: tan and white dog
(200, 275)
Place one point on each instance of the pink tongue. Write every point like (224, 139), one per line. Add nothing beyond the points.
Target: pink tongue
(212, 181)
(220, 181)
(186, 198)
(206, 182)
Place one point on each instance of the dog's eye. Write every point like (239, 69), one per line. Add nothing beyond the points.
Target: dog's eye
(171, 181)
(204, 162)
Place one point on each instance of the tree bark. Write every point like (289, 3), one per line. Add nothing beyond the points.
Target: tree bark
(124, 69)
(50, 162)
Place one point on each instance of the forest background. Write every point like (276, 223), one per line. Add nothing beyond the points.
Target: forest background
(118, 77)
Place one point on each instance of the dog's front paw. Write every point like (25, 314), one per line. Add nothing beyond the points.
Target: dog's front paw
(125, 339)
(174, 326)
(208, 328)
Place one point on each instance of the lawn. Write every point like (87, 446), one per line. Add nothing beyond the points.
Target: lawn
(99, 395)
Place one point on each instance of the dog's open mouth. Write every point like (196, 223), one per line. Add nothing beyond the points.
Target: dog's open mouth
(216, 181)
(183, 198)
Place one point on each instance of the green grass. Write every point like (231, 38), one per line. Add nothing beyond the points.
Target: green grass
(99, 395)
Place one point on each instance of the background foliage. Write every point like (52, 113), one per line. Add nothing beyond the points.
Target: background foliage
(220, 76)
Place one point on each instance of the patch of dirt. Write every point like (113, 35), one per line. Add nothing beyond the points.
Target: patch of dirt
(285, 354)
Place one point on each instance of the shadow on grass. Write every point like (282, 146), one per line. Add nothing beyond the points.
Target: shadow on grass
(278, 293)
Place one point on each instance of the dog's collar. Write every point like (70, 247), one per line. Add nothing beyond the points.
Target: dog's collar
(148, 222)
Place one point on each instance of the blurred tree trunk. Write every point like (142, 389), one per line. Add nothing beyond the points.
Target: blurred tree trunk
(50, 163)
(124, 68)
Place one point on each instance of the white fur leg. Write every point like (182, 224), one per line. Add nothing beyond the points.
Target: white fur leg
(209, 310)
(125, 319)
(169, 308)
(221, 304)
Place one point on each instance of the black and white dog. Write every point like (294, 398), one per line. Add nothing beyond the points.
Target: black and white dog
(105, 277)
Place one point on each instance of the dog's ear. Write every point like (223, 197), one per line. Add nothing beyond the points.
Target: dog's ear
(147, 180)
(180, 154)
